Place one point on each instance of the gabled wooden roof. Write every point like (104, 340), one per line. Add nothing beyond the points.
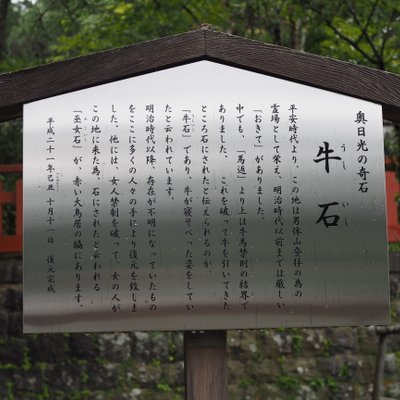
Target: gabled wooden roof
(17, 88)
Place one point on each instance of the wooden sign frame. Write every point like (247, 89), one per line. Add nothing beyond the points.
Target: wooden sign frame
(21, 87)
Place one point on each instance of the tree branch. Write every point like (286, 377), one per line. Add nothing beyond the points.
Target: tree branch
(337, 32)
(364, 30)
(388, 33)
(192, 14)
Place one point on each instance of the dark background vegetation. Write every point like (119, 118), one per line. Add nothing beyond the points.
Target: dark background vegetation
(334, 363)
(33, 32)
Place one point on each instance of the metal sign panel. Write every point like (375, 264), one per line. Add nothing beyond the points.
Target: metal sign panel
(203, 197)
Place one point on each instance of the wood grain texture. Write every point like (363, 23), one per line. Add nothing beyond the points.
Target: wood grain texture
(206, 376)
(379, 367)
(49, 80)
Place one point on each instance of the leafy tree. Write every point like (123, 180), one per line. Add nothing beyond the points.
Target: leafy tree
(361, 31)
(4, 4)
(364, 32)
(11, 142)
(111, 23)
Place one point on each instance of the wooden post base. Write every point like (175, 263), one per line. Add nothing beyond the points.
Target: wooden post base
(206, 376)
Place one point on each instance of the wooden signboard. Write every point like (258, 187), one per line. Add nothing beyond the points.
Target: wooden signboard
(203, 197)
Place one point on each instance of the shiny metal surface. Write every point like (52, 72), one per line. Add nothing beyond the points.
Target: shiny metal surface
(203, 197)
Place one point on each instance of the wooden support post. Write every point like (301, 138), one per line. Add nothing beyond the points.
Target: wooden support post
(206, 376)
(380, 365)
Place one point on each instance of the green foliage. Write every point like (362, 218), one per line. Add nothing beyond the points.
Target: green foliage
(31, 26)
(392, 151)
(288, 383)
(37, 31)
(246, 383)
(112, 23)
(172, 350)
(11, 152)
(7, 366)
(317, 384)
(11, 142)
(364, 32)
(156, 363)
(320, 383)
(79, 395)
(345, 372)
(332, 384)
(392, 148)
(10, 391)
(327, 346)
(105, 24)
(297, 344)
(394, 247)
(163, 387)
(26, 362)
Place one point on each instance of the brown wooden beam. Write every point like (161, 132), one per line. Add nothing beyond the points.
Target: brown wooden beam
(18, 88)
(31, 84)
(313, 70)
(206, 376)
